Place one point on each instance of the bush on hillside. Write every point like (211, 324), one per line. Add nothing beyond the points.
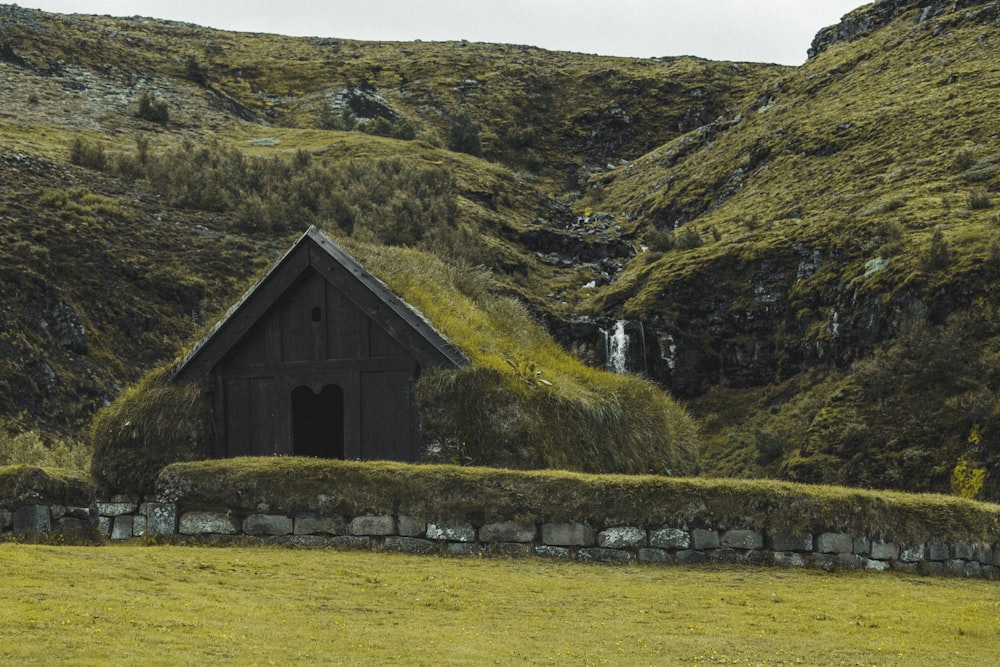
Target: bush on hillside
(463, 135)
(152, 109)
(31, 448)
(385, 200)
(88, 154)
(153, 424)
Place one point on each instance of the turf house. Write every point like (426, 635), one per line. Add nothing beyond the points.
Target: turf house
(317, 359)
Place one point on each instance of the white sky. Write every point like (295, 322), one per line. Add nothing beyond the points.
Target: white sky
(777, 31)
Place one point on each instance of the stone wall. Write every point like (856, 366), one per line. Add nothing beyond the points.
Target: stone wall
(125, 518)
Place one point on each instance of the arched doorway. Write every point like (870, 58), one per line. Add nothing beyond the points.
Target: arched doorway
(318, 422)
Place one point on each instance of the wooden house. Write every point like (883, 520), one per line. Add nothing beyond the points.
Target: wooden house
(317, 359)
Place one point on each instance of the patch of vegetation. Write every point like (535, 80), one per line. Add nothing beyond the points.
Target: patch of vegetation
(151, 425)
(30, 448)
(23, 484)
(919, 414)
(152, 109)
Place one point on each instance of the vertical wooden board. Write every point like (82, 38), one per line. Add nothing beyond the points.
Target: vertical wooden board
(237, 418)
(388, 416)
(299, 305)
(262, 417)
(382, 343)
(252, 350)
(346, 327)
(350, 383)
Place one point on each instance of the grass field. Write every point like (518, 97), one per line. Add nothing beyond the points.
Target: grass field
(133, 605)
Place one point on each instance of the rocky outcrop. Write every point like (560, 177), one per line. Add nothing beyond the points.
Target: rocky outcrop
(865, 20)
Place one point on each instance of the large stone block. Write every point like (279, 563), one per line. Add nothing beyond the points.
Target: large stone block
(122, 526)
(161, 519)
(379, 524)
(510, 549)
(913, 554)
(742, 539)
(670, 538)
(791, 541)
(568, 535)
(312, 523)
(464, 548)
(6, 520)
(983, 553)
(622, 537)
(546, 551)
(704, 539)
(267, 524)
(508, 531)
(451, 531)
(208, 523)
(605, 555)
(409, 545)
(653, 555)
(70, 525)
(834, 543)
(938, 552)
(850, 561)
(117, 509)
(885, 551)
(789, 559)
(409, 526)
(32, 520)
(964, 551)
(690, 556)
(877, 565)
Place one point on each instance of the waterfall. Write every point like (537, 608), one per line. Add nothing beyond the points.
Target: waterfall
(616, 348)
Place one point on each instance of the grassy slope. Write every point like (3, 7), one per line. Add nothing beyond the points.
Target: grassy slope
(849, 164)
(859, 156)
(164, 270)
(273, 606)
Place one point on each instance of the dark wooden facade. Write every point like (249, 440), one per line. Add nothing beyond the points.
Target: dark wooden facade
(317, 359)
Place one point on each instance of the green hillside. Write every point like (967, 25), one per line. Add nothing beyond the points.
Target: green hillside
(805, 256)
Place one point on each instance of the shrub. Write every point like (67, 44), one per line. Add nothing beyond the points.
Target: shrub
(88, 154)
(964, 158)
(463, 135)
(688, 238)
(980, 200)
(152, 109)
(938, 254)
(344, 121)
(30, 448)
(153, 424)
(193, 71)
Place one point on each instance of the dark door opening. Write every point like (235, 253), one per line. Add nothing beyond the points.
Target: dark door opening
(318, 422)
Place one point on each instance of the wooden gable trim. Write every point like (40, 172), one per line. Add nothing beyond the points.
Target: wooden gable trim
(315, 250)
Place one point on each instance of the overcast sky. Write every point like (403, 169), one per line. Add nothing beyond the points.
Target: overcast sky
(777, 31)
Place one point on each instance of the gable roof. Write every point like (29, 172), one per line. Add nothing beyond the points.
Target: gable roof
(314, 250)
